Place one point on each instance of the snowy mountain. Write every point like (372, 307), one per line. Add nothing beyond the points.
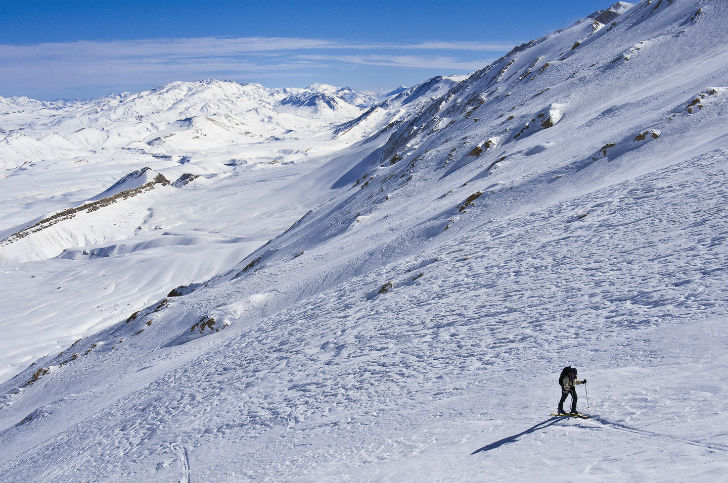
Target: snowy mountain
(356, 98)
(178, 120)
(397, 107)
(202, 128)
(564, 205)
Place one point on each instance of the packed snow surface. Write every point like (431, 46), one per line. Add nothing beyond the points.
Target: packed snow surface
(394, 297)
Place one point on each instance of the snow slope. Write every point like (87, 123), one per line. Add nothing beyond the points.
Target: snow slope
(562, 206)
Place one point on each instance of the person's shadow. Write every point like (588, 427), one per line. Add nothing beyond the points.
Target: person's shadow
(510, 439)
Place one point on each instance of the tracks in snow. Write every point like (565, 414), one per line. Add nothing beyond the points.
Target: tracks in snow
(652, 434)
(185, 458)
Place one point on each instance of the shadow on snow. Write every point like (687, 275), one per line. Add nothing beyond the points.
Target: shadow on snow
(510, 439)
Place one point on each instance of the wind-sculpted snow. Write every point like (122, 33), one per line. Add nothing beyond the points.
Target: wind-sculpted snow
(565, 205)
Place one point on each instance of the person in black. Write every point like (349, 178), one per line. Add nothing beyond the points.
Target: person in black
(568, 382)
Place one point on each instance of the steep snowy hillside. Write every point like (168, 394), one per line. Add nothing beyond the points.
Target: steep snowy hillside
(565, 205)
(397, 108)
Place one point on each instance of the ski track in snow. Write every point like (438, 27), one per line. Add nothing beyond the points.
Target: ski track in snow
(185, 458)
(653, 435)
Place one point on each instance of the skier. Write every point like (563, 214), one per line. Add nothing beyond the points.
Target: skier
(568, 382)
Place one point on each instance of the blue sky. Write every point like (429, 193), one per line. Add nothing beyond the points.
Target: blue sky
(81, 48)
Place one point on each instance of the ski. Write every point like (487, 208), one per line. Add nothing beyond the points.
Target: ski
(570, 415)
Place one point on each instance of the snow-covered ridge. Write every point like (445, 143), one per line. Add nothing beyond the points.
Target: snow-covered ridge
(131, 181)
(86, 224)
(399, 105)
(564, 205)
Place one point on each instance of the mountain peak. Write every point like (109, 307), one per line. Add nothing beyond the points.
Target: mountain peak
(609, 14)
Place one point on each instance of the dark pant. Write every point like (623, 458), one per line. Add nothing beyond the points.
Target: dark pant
(573, 400)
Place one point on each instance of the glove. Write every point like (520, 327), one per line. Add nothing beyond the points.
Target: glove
(584, 381)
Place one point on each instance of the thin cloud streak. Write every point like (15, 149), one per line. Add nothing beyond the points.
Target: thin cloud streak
(404, 61)
(223, 46)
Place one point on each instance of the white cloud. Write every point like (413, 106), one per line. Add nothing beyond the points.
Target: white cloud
(473, 46)
(53, 67)
(403, 61)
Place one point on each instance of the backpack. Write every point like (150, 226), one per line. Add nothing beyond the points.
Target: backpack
(565, 372)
